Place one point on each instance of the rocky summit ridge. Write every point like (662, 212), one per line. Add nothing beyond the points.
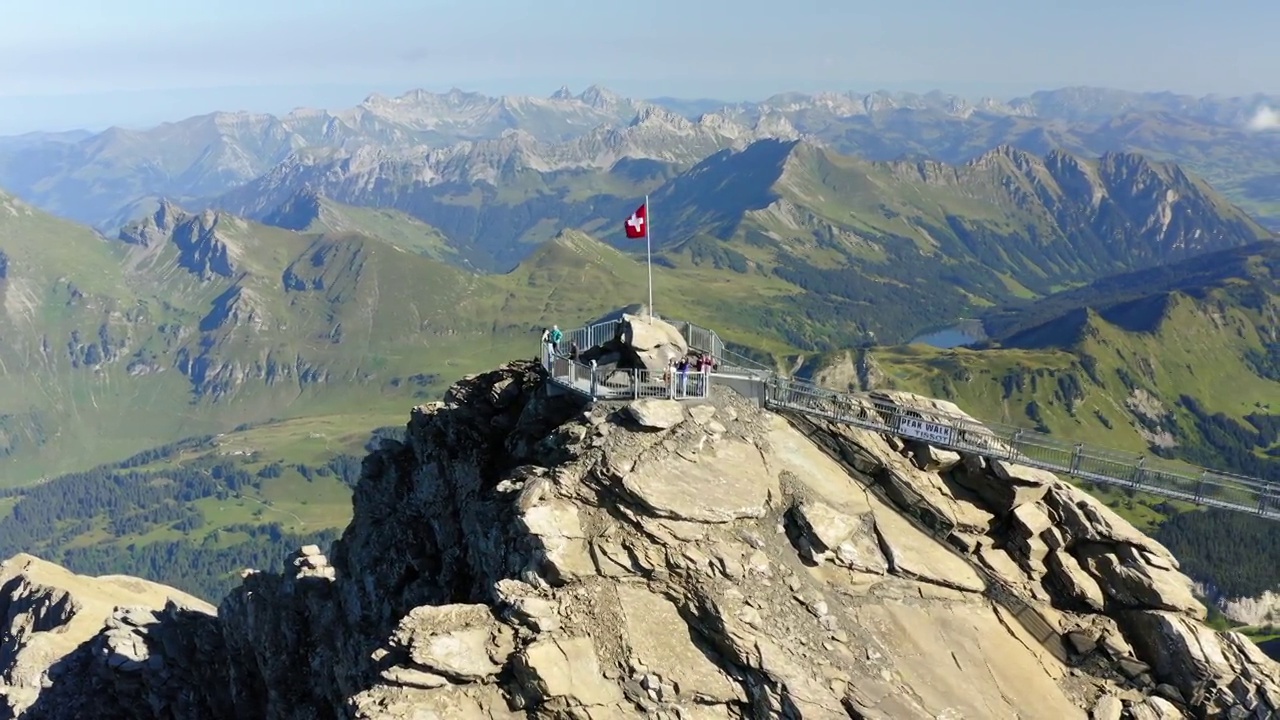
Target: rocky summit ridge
(528, 555)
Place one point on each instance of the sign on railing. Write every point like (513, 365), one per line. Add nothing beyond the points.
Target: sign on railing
(928, 432)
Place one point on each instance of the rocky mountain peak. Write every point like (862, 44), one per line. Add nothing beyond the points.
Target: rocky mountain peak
(1058, 156)
(203, 245)
(155, 227)
(1124, 164)
(653, 116)
(840, 104)
(523, 553)
(600, 98)
(298, 212)
(719, 123)
(1015, 158)
(564, 93)
(878, 102)
(776, 125)
(457, 95)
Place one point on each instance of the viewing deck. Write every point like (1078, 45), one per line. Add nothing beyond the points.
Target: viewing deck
(876, 412)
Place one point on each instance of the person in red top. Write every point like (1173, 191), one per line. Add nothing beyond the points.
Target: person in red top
(705, 363)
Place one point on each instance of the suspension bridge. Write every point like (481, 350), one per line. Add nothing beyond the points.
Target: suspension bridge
(879, 413)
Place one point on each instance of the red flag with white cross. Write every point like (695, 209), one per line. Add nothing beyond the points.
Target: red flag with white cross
(637, 226)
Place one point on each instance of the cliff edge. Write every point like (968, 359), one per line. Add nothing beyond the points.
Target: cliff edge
(522, 555)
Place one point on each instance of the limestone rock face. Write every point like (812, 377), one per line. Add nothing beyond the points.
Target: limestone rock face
(527, 556)
(63, 633)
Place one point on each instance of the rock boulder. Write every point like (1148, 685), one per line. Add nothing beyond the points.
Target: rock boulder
(641, 342)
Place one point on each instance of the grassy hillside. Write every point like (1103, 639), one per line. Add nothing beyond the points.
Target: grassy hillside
(1179, 360)
(308, 212)
(194, 323)
(881, 250)
(886, 250)
(207, 506)
(209, 320)
(190, 324)
(195, 512)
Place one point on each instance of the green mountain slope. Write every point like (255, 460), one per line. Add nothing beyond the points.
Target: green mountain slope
(1134, 345)
(192, 323)
(902, 247)
(896, 247)
(1208, 135)
(199, 510)
(308, 212)
(783, 245)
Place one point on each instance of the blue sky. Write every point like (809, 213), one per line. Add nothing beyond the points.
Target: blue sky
(69, 63)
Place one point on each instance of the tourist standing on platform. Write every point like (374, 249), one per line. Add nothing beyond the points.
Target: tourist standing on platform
(704, 371)
(552, 340)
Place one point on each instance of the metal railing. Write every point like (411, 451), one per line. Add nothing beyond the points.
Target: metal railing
(1130, 471)
(603, 383)
(701, 338)
(1027, 447)
(696, 337)
(590, 336)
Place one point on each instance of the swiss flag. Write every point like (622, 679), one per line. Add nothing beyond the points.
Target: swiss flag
(637, 225)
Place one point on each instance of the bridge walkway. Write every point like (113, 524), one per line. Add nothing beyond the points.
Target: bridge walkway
(939, 428)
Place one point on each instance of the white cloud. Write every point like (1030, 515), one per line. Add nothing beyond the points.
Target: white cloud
(1265, 119)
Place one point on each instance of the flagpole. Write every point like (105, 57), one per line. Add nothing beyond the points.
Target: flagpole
(648, 243)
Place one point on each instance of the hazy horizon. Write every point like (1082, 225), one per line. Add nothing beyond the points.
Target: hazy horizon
(148, 108)
(140, 62)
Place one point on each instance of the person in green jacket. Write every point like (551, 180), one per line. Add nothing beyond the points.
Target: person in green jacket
(553, 340)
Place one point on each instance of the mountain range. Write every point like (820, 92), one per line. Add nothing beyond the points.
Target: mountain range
(328, 284)
(107, 179)
(192, 321)
(806, 213)
(225, 309)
